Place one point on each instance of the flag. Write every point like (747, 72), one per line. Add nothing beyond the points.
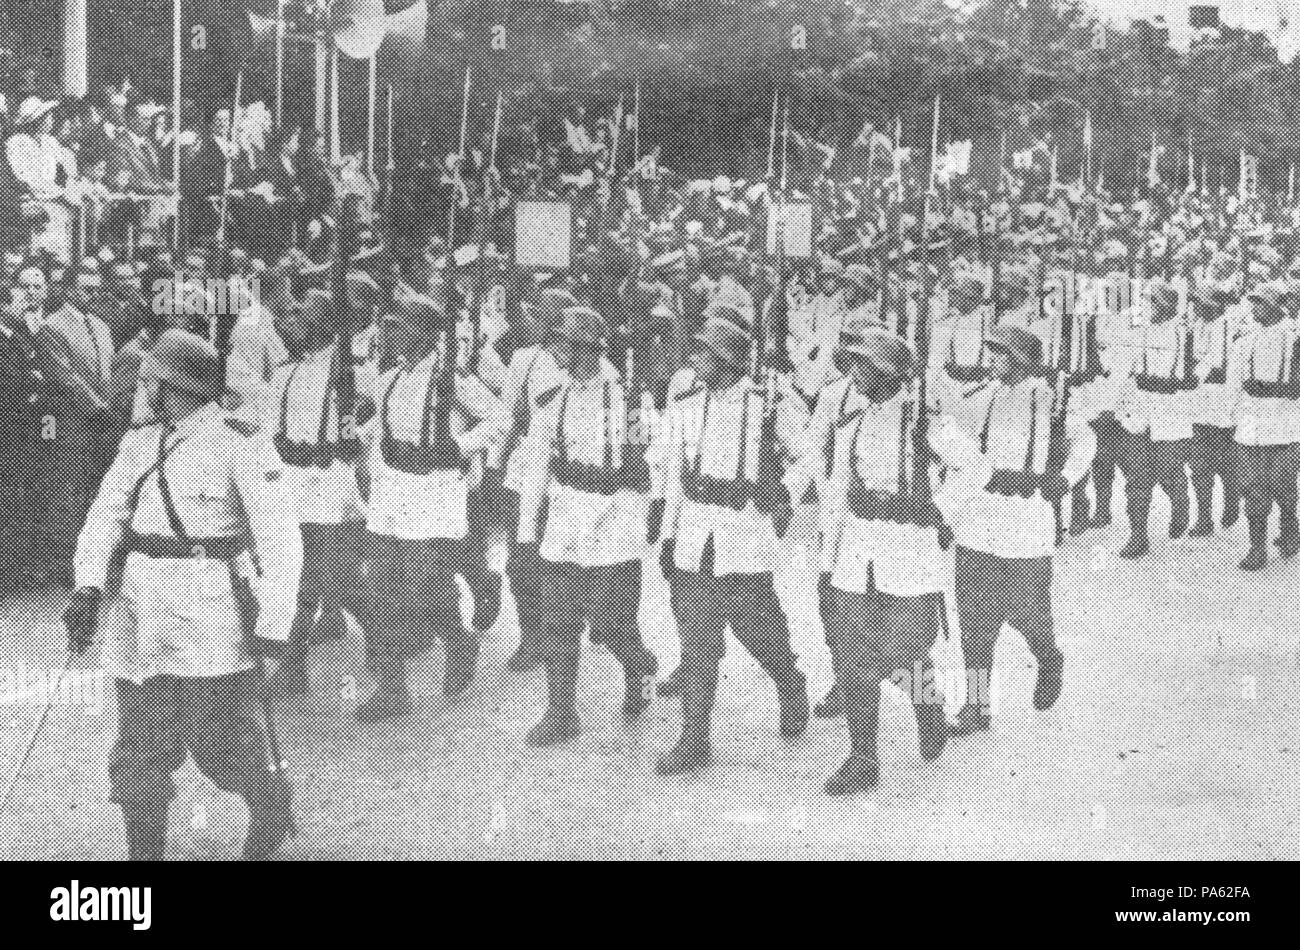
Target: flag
(578, 139)
(954, 161)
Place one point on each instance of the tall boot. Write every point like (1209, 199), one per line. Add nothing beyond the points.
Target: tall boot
(1139, 509)
(1288, 540)
(1051, 671)
(674, 684)
(1256, 558)
(291, 674)
(639, 669)
(1231, 495)
(1103, 483)
(693, 750)
(391, 697)
(861, 770)
(1203, 487)
(462, 661)
(560, 722)
(146, 830)
(931, 729)
(974, 716)
(1080, 515)
(1180, 505)
(270, 816)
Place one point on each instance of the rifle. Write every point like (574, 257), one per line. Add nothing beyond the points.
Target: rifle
(768, 487)
(485, 209)
(996, 279)
(920, 489)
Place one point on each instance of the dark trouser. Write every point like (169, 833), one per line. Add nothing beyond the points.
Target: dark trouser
(874, 637)
(1214, 454)
(749, 605)
(332, 579)
(219, 720)
(1146, 464)
(524, 572)
(826, 606)
(607, 597)
(413, 590)
(1268, 475)
(482, 580)
(1108, 433)
(992, 591)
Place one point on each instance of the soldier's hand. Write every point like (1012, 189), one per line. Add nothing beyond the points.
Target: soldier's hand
(654, 521)
(81, 617)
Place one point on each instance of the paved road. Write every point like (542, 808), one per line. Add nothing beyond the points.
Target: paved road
(1176, 737)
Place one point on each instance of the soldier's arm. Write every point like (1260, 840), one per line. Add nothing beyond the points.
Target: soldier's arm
(110, 514)
(268, 502)
(1083, 446)
(545, 426)
(791, 417)
(482, 405)
(243, 371)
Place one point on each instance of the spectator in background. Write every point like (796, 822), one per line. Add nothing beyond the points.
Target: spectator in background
(42, 165)
(135, 168)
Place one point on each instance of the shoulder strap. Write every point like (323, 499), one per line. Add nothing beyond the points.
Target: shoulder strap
(383, 413)
(331, 383)
(137, 489)
(164, 490)
(1033, 429)
(284, 400)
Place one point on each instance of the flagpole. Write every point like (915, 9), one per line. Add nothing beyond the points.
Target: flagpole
(176, 88)
(496, 130)
(372, 94)
(279, 63)
(74, 47)
(636, 121)
(934, 142)
(321, 73)
(771, 141)
(464, 115)
(176, 115)
(335, 143)
(388, 155)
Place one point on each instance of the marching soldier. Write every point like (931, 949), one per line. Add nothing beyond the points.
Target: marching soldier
(885, 566)
(1213, 449)
(1261, 384)
(1002, 519)
(723, 510)
(318, 445)
(187, 509)
(430, 418)
(531, 372)
(1096, 317)
(1156, 417)
(957, 353)
(590, 549)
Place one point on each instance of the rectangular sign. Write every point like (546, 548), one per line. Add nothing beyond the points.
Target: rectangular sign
(544, 235)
